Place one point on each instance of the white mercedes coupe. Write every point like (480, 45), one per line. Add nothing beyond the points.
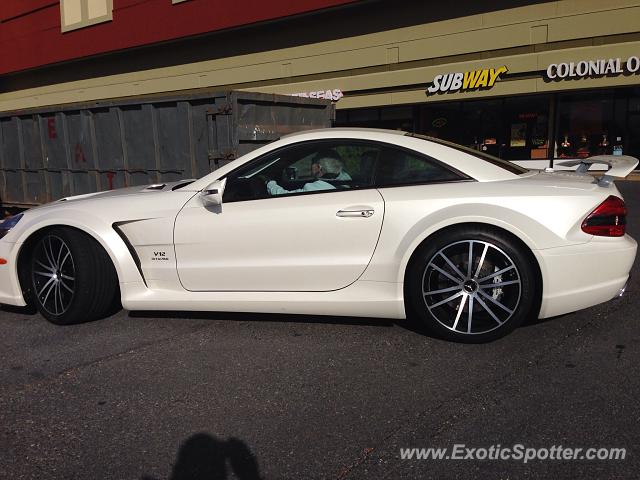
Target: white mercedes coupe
(355, 222)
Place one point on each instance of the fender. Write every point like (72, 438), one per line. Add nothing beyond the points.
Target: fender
(390, 265)
(453, 216)
(78, 212)
(92, 225)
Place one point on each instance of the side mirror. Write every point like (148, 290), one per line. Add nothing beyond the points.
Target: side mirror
(212, 195)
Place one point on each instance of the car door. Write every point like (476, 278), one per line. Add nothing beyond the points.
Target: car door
(313, 232)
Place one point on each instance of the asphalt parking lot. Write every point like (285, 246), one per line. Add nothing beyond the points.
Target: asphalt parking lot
(215, 396)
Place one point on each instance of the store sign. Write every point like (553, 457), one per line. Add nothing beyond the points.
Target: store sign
(465, 81)
(335, 94)
(593, 68)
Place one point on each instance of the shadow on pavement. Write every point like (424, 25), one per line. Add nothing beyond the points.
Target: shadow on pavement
(409, 324)
(205, 457)
(19, 310)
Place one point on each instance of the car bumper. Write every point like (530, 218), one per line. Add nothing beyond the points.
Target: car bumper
(10, 291)
(580, 276)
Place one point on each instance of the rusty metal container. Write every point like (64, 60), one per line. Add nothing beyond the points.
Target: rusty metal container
(50, 153)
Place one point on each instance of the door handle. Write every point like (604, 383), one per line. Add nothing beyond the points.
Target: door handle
(362, 213)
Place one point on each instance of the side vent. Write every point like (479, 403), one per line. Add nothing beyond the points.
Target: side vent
(132, 251)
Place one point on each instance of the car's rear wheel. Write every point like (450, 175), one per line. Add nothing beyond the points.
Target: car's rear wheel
(471, 284)
(71, 277)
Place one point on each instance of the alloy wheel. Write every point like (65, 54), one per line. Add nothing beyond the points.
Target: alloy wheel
(471, 287)
(54, 275)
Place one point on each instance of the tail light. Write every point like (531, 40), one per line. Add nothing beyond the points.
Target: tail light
(609, 219)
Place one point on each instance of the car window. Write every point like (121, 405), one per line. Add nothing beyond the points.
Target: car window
(302, 169)
(402, 167)
(305, 168)
(498, 162)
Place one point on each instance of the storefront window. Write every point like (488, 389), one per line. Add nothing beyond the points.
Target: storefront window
(392, 118)
(586, 125)
(482, 126)
(631, 140)
(599, 122)
(443, 120)
(518, 128)
(512, 128)
(527, 129)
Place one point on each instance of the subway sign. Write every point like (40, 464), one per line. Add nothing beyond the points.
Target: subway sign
(593, 68)
(466, 81)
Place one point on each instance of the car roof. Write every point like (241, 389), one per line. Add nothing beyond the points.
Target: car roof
(346, 130)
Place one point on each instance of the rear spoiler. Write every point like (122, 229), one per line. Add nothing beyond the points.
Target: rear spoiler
(620, 166)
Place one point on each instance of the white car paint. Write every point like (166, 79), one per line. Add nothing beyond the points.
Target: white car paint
(303, 245)
(293, 255)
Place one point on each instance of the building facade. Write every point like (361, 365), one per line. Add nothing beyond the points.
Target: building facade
(525, 80)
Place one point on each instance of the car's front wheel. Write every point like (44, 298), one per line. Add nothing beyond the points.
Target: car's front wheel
(471, 284)
(71, 277)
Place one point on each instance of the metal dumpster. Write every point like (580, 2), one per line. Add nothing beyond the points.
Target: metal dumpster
(50, 153)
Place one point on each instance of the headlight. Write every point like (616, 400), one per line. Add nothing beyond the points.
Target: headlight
(8, 223)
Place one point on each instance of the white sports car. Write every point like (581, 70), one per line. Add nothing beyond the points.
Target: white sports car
(355, 222)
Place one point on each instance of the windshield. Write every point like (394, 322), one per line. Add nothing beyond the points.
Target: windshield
(504, 164)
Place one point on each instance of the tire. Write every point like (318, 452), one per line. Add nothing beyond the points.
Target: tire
(74, 269)
(474, 304)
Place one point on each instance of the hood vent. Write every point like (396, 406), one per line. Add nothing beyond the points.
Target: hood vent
(155, 187)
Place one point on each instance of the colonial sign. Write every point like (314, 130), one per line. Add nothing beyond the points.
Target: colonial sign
(464, 81)
(593, 68)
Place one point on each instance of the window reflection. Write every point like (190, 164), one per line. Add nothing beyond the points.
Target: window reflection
(519, 128)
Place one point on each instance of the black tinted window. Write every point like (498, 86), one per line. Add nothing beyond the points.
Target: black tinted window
(498, 162)
(402, 167)
(305, 168)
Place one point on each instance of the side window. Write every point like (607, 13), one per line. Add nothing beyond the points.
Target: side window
(305, 168)
(400, 167)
